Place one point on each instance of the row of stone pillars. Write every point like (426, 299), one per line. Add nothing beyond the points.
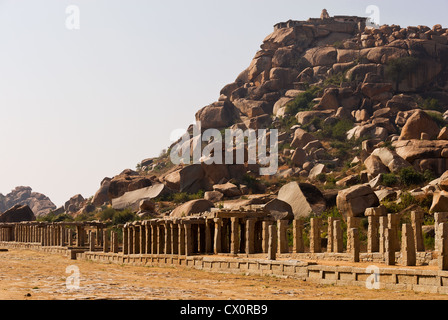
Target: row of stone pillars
(50, 234)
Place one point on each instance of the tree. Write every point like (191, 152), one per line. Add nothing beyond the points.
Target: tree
(398, 69)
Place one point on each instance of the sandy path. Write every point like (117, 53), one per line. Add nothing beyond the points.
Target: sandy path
(41, 276)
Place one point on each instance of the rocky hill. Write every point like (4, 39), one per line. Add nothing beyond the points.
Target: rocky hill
(37, 202)
(362, 119)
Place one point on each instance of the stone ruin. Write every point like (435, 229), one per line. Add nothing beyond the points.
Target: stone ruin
(245, 233)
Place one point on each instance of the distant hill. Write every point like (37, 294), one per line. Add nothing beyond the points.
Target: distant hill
(39, 203)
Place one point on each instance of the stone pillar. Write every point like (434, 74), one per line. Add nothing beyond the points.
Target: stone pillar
(92, 241)
(114, 236)
(393, 225)
(136, 238)
(181, 239)
(106, 247)
(353, 223)
(175, 237)
(148, 237)
(167, 248)
(443, 246)
(265, 235)
(373, 240)
(298, 246)
(131, 234)
(218, 241)
(353, 239)
(382, 232)
(154, 238)
(235, 236)
(389, 248)
(315, 236)
(330, 235)
(272, 248)
(250, 236)
(417, 221)
(189, 240)
(439, 218)
(338, 241)
(125, 240)
(160, 238)
(282, 241)
(408, 255)
(62, 235)
(142, 238)
(209, 224)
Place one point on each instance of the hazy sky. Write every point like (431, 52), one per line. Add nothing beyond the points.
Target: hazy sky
(80, 105)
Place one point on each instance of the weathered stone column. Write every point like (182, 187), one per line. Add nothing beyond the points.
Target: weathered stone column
(160, 238)
(373, 238)
(330, 235)
(125, 240)
(218, 241)
(250, 236)
(315, 236)
(92, 241)
(272, 248)
(439, 217)
(131, 237)
(154, 238)
(417, 222)
(142, 238)
(382, 230)
(182, 238)
(175, 237)
(389, 248)
(282, 241)
(298, 246)
(209, 224)
(106, 246)
(148, 237)
(408, 255)
(115, 246)
(443, 246)
(235, 236)
(338, 241)
(167, 248)
(393, 225)
(353, 239)
(265, 235)
(188, 240)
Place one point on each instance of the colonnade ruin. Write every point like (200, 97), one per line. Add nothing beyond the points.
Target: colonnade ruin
(245, 234)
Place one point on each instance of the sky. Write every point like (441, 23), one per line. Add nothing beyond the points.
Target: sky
(78, 105)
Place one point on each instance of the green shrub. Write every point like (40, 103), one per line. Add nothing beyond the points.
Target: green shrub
(409, 177)
(398, 69)
(122, 217)
(390, 180)
(303, 102)
(432, 104)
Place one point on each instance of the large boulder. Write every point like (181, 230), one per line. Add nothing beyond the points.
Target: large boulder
(440, 202)
(228, 189)
(301, 138)
(18, 213)
(101, 196)
(38, 202)
(375, 166)
(420, 122)
(132, 199)
(192, 207)
(217, 115)
(353, 202)
(304, 199)
(128, 180)
(280, 210)
(74, 204)
(391, 159)
(321, 56)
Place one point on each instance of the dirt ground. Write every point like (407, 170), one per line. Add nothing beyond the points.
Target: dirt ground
(30, 275)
